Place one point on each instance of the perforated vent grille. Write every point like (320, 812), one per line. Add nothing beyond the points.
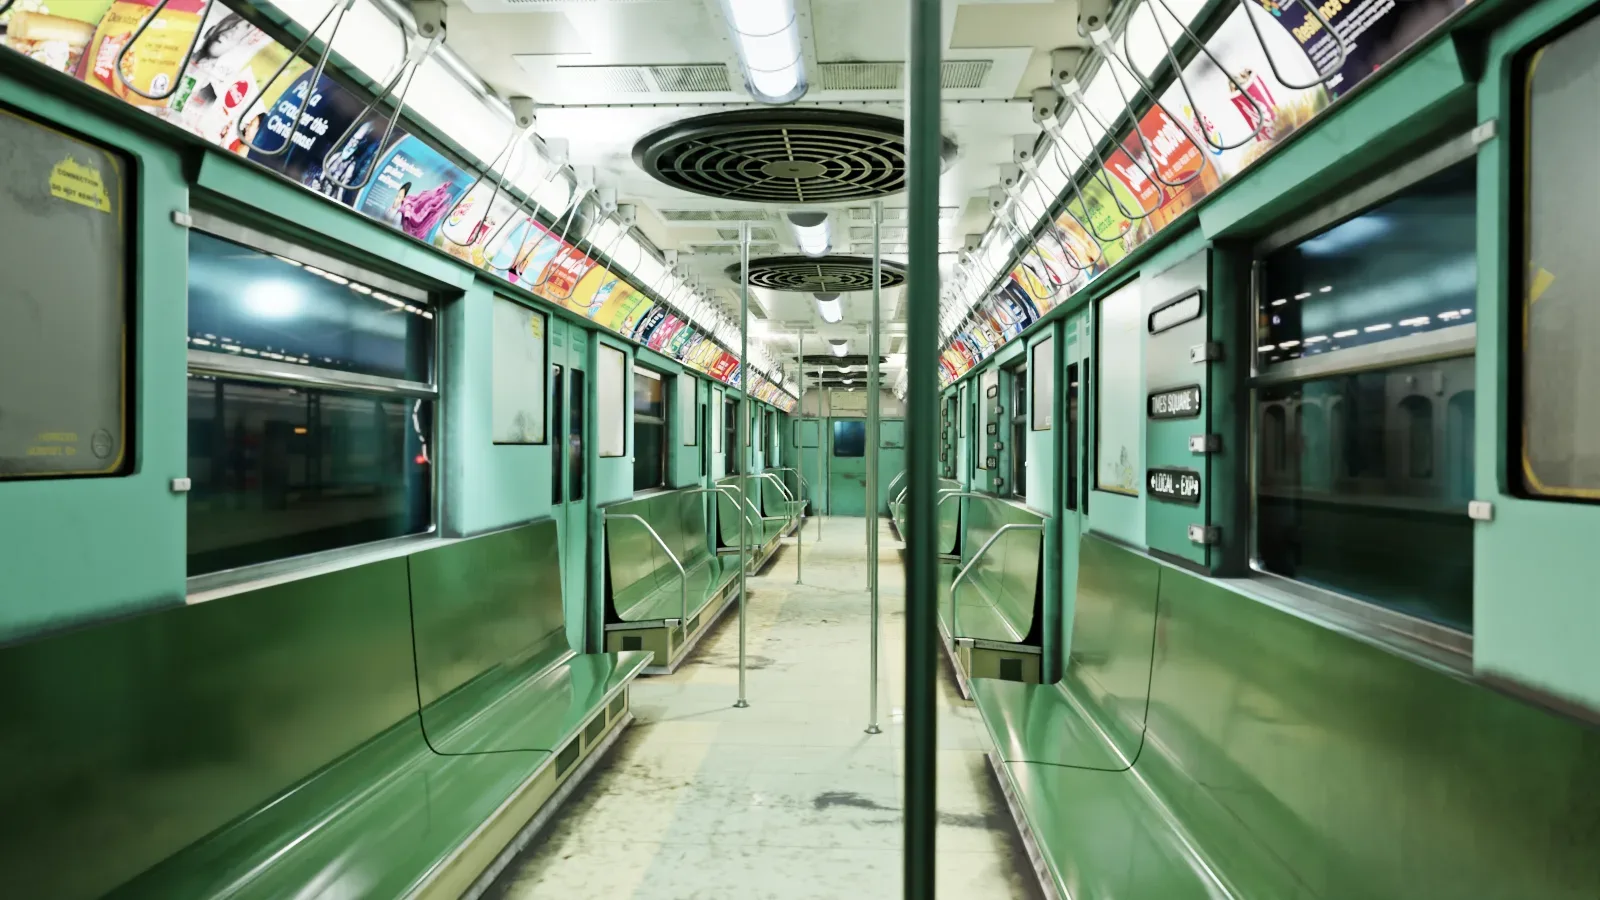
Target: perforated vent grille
(756, 234)
(786, 156)
(954, 74)
(885, 233)
(604, 79)
(826, 274)
(729, 250)
(691, 79)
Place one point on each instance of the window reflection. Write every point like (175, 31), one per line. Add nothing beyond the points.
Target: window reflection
(283, 471)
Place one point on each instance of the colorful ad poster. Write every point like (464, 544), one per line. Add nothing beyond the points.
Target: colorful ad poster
(309, 133)
(1373, 32)
(410, 186)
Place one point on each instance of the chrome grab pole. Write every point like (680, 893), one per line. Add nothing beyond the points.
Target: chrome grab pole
(683, 576)
(872, 452)
(955, 624)
(799, 455)
(740, 437)
(822, 448)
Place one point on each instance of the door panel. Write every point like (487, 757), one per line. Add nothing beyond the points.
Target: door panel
(569, 483)
(891, 457)
(847, 467)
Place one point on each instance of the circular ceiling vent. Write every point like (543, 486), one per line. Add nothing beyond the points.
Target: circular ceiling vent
(782, 156)
(818, 274)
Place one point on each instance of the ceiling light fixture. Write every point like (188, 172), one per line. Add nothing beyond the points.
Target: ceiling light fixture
(830, 308)
(839, 348)
(767, 33)
(811, 232)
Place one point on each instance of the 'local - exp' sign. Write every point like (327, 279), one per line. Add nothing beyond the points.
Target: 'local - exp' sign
(1174, 485)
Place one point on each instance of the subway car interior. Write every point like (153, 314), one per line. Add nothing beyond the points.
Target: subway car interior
(699, 449)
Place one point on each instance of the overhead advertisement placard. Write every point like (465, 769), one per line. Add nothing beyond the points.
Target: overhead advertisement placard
(1207, 128)
(227, 95)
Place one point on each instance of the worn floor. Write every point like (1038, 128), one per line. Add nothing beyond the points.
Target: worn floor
(788, 798)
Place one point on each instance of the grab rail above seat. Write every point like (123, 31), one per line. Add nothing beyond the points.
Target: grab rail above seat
(683, 576)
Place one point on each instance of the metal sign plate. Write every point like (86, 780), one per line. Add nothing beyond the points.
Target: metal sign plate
(1178, 403)
(1174, 485)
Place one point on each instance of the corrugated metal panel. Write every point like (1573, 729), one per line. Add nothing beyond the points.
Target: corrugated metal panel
(693, 79)
(686, 215)
(861, 76)
(756, 234)
(964, 74)
(604, 79)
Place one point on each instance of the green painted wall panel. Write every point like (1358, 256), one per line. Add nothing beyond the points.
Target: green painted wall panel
(136, 738)
(75, 550)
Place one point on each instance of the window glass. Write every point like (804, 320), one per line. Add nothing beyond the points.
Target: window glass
(963, 411)
(558, 407)
(688, 409)
(1120, 406)
(850, 438)
(338, 456)
(1071, 462)
(1561, 342)
(519, 369)
(649, 430)
(1018, 431)
(281, 471)
(730, 436)
(1404, 267)
(1364, 473)
(64, 327)
(611, 402)
(576, 461)
(1043, 367)
(255, 305)
(1361, 486)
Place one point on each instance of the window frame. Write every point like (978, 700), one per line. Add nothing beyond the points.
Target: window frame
(128, 199)
(665, 421)
(1518, 471)
(254, 369)
(1447, 644)
(626, 401)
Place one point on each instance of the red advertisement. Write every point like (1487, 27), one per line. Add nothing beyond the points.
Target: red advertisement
(724, 366)
(562, 274)
(664, 332)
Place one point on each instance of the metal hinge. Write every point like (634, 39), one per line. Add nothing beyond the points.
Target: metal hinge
(1211, 351)
(1205, 535)
(182, 219)
(1481, 510)
(1485, 132)
(1205, 443)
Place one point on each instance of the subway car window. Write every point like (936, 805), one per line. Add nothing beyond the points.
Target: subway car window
(517, 401)
(1070, 464)
(1363, 464)
(730, 436)
(1018, 431)
(1043, 366)
(1560, 360)
(850, 438)
(558, 407)
(611, 402)
(649, 430)
(310, 408)
(64, 308)
(576, 464)
(688, 403)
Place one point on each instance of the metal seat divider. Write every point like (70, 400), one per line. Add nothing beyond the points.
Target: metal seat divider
(683, 575)
(955, 623)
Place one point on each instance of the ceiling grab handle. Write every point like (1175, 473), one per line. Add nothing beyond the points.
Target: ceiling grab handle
(560, 257)
(509, 153)
(408, 71)
(1183, 81)
(1074, 91)
(1272, 62)
(335, 12)
(177, 75)
(549, 177)
(624, 222)
(1057, 139)
(1080, 105)
(1048, 273)
(1053, 230)
(1102, 39)
(625, 226)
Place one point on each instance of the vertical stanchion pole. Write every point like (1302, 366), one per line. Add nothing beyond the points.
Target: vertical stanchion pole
(822, 450)
(922, 436)
(739, 442)
(872, 449)
(800, 456)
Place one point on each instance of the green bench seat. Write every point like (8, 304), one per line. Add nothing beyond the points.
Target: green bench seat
(643, 585)
(1206, 743)
(762, 530)
(949, 513)
(999, 600)
(327, 736)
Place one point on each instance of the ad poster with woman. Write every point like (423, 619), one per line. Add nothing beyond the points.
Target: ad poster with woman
(410, 187)
(222, 96)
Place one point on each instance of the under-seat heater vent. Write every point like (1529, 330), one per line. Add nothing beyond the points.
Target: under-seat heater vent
(1010, 669)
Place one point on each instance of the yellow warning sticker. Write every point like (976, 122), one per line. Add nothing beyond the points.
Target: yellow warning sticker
(1542, 280)
(536, 325)
(77, 183)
